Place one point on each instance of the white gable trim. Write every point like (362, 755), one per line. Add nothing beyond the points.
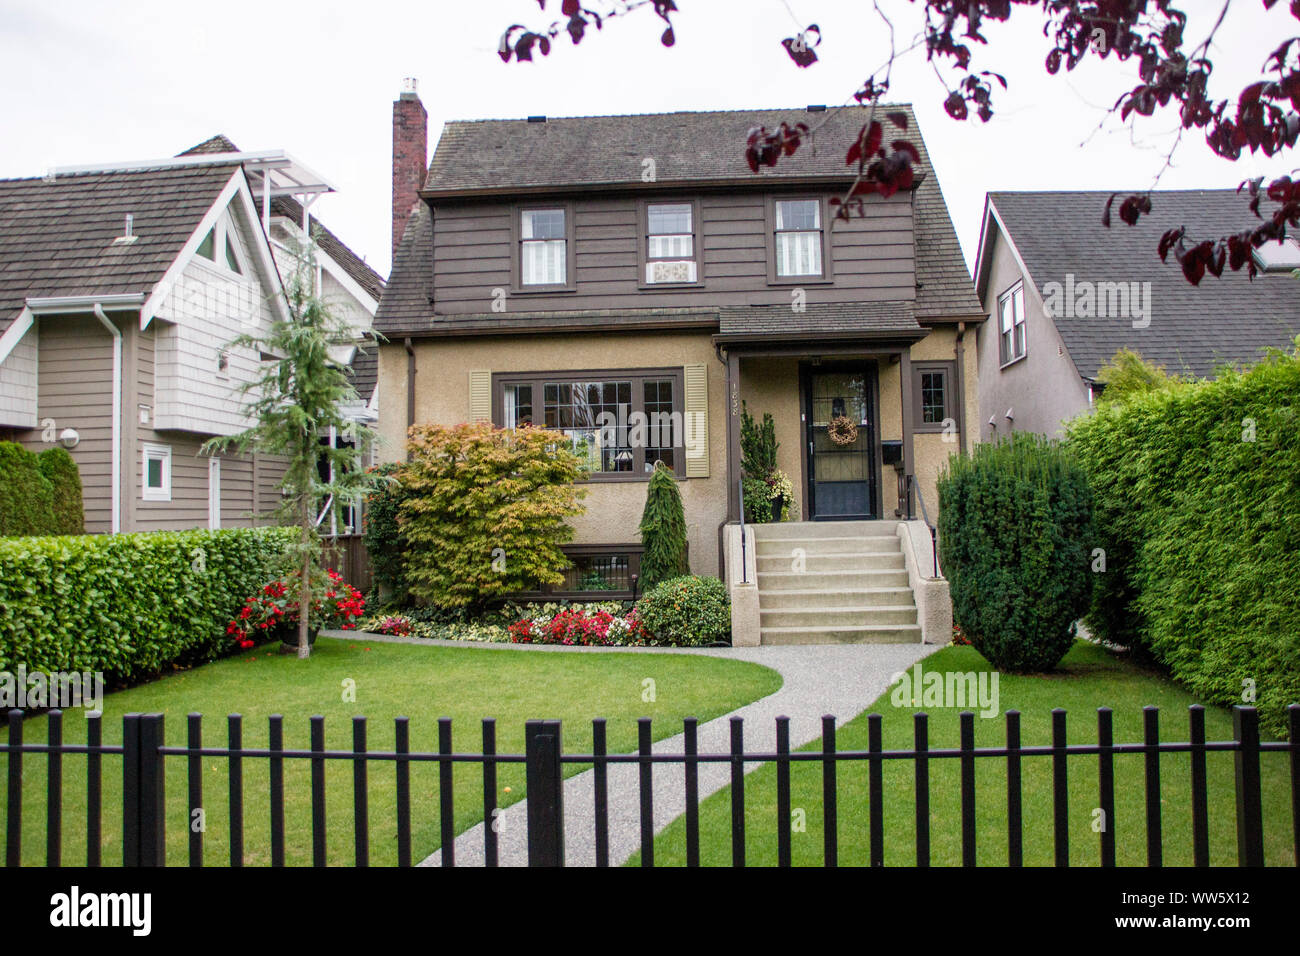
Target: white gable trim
(14, 334)
(235, 192)
(981, 277)
(332, 266)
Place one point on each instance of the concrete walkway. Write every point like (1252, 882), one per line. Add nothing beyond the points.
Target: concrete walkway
(841, 679)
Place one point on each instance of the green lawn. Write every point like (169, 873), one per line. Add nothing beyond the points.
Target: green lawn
(423, 683)
(1090, 677)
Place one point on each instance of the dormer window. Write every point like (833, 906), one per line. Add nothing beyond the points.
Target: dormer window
(670, 243)
(232, 259)
(1274, 256)
(208, 247)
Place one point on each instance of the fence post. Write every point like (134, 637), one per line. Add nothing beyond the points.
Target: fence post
(545, 793)
(143, 797)
(1250, 815)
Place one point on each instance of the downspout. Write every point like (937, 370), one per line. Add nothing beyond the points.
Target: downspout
(117, 416)
(960, 385)
(410, 386)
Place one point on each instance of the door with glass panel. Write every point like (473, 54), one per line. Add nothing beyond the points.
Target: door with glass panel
(841, 442)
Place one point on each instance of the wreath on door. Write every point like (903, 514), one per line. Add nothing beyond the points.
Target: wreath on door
(842, 430)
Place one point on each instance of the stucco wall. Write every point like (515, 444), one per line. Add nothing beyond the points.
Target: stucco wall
(613, 508)
(1043, 389)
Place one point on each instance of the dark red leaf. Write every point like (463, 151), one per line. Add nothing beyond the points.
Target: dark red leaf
(899, 119)
(955, 106)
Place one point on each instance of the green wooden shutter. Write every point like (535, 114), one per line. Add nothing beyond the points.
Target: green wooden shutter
(697, 421)
(480, 396)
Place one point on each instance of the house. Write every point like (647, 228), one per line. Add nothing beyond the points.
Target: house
(552, 271)
(121, 287)
(1063, 293)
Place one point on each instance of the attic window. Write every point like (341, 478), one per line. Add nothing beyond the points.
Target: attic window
(208, 247)
(232, 260)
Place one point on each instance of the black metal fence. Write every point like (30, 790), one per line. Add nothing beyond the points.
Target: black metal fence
(144, 751)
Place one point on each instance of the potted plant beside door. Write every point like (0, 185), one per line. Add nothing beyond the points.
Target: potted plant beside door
(769, 493)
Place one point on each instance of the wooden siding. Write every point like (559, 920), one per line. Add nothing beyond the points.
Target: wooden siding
(74, 390)
(872, 256)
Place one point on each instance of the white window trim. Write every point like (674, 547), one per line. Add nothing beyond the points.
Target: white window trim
(1016, 322)
(162, 453)
(214, 494)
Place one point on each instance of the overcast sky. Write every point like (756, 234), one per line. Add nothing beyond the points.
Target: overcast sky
(84, 81)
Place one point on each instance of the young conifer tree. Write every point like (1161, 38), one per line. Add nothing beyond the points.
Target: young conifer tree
(663, 530)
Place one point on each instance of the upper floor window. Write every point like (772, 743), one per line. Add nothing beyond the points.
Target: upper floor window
(798, 237)
(670, 243)
(543, 247)
(1011, 324)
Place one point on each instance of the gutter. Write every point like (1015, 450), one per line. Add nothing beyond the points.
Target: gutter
(960, 385)
(410, 384)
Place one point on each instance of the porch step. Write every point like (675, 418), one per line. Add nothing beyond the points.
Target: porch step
(858, 544)
(831, 581)
(848, 561)
(840, 616)
(816, 598)
(851, 585)
(862, 634)
(824, 529)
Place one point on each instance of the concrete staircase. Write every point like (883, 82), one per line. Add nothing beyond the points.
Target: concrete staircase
(833, 582)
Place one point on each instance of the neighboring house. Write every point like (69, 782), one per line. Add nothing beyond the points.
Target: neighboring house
(555, 269)
(1062, 294)
(121, 287)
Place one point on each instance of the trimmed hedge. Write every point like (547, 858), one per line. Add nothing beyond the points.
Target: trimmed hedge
(1198, 510)
(26, 495)
(67, 513)
(1014, 537)
(128, 604)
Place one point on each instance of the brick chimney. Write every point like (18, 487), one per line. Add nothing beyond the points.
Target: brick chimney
(410, 155)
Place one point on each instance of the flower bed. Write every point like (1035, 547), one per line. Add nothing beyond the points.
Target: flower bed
(274, 610)
(581, 627)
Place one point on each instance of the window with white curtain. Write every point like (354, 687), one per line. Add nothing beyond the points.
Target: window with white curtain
(798, 237)
(670, 243)
(543, 247)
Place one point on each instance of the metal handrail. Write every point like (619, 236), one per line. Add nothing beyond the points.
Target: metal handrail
(925, 516)
(744, 557)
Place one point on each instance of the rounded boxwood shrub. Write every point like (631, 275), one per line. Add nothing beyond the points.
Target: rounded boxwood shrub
(1015, 526)
(688, 611)
(67, 512)
(26, 496)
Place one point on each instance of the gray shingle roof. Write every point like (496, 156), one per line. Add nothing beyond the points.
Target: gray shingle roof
(1192, 328)
(687, 148)
(56, 236)
(866, 317)
(365, 371)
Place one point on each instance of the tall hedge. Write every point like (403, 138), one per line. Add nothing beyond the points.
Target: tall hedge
(1014, 538)
(1198, 510)
(67, 514)
(26, 495)
(127, 604)
(383, 538)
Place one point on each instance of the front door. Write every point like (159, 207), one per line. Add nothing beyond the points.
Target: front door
(841, 441)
